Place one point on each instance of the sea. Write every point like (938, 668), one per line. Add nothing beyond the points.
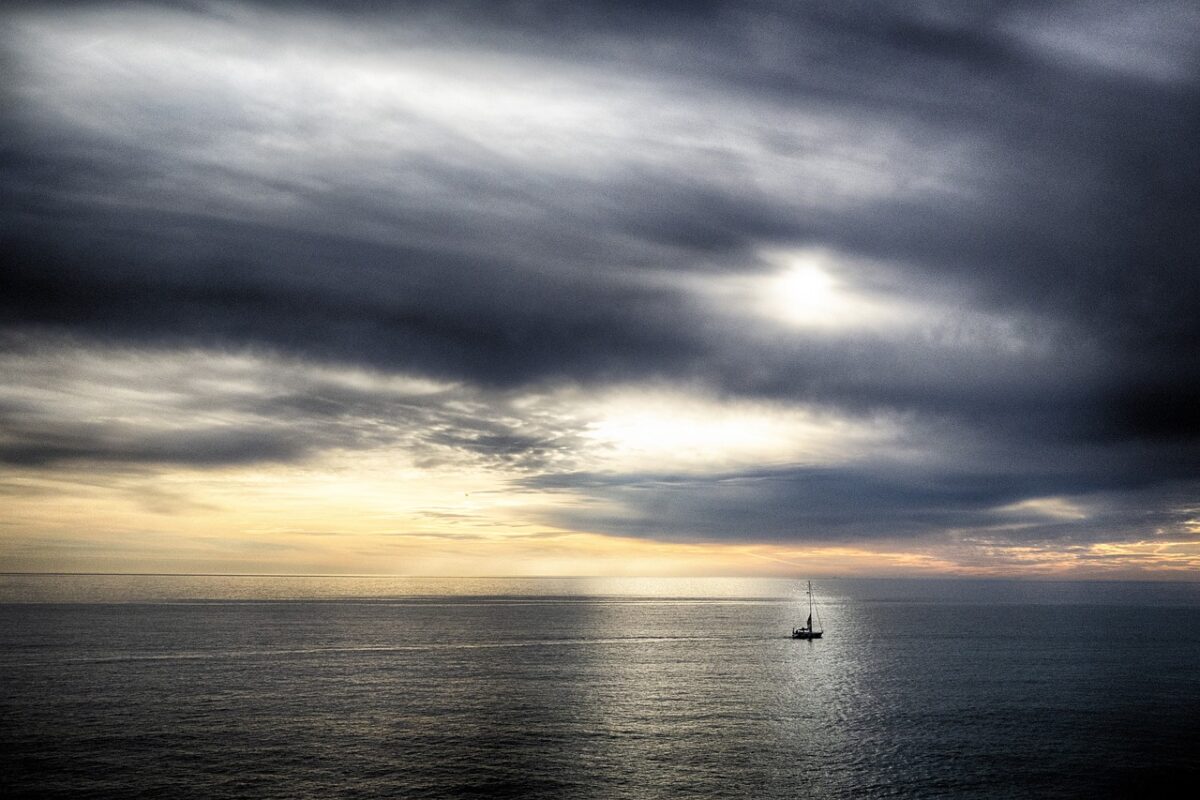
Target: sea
(354, 687)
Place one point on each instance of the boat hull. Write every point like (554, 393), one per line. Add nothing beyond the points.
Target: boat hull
(806, 634)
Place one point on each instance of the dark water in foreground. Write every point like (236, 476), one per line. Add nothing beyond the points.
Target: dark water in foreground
(588, 688)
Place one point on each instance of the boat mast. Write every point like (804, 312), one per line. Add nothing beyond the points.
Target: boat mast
(810, 627)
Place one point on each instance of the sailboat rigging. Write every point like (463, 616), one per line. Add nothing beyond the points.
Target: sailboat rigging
(808, 630)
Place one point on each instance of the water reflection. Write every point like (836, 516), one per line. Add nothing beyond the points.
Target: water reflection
(540, 689)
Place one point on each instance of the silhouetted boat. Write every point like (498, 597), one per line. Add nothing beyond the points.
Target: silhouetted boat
(808, 631)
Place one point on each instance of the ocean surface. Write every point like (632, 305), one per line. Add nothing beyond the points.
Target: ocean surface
(239, 687)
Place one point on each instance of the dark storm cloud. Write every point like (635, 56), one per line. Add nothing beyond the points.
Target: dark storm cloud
(191, 448)
(1032, 165)
(872, 502)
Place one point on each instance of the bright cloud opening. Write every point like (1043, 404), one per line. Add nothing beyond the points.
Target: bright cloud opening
(640, 431)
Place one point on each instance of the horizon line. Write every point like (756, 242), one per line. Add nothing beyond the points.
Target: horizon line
(1030, 578)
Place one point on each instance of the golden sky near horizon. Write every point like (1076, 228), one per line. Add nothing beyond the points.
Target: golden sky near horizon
(412, 506)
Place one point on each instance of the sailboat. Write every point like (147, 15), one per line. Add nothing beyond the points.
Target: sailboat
(808, 631)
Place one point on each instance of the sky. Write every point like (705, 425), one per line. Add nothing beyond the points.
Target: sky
(601, 288)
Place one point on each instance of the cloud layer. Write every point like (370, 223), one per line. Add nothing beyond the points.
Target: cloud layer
(946, 255)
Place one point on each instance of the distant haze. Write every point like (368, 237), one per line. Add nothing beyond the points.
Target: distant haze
(613, 288)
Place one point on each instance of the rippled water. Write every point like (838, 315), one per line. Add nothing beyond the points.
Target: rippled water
(594, 688)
